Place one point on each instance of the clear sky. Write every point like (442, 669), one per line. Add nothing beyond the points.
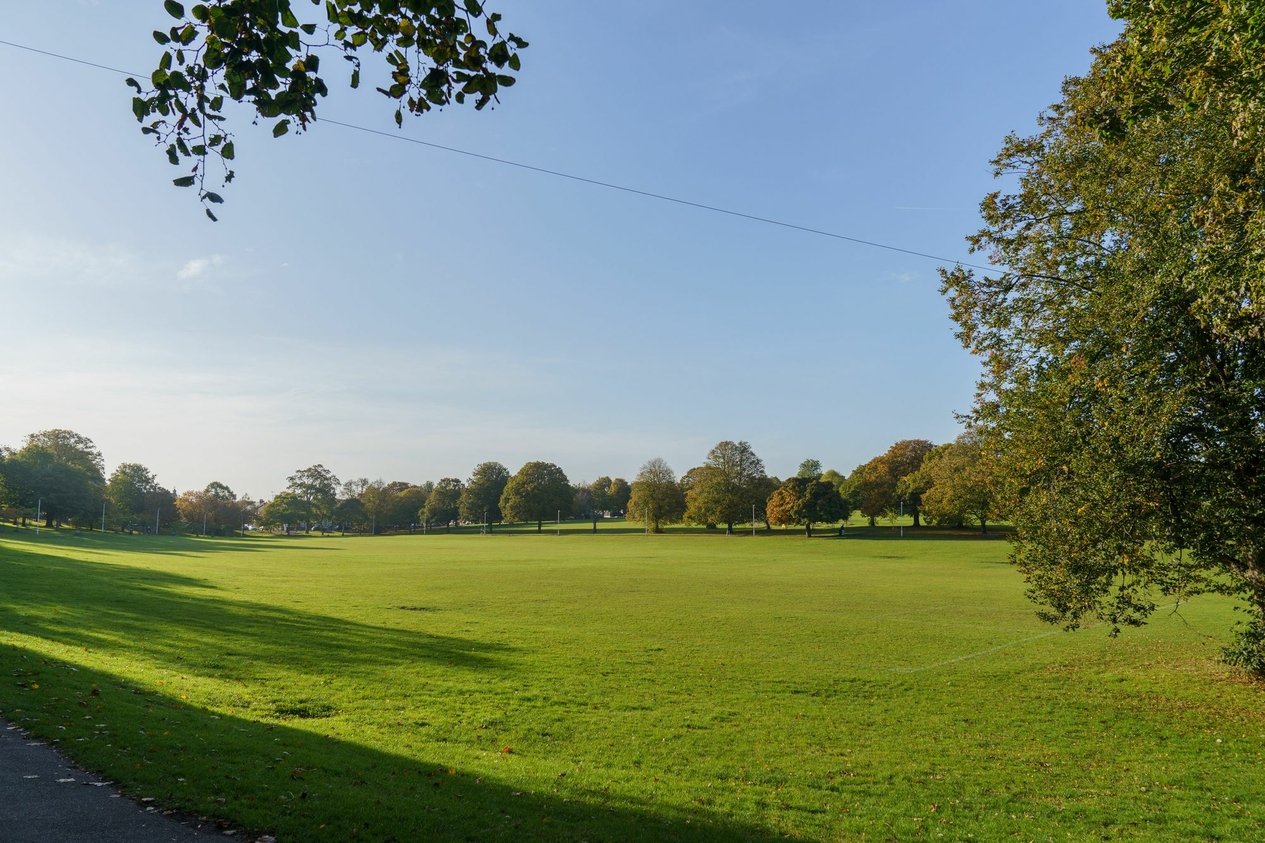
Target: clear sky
(400, 312)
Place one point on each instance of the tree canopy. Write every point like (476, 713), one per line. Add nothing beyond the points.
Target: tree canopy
(959, 482)
(656, 497)
(806, 501)
(727, 488)
(538, 491)
(432, 53)
(481, 497)
(58, 471)
(316, 487)
(443, 505)
(1124, 340)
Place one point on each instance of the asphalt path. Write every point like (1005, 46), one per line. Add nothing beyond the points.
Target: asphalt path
(44, 798)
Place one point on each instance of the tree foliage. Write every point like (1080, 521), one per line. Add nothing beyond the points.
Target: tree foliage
(129, 495)
(443, 505)
(285, 510)
(60, 473)
(1124, 343)
(809, 469)
(617, 495)
(656, 497)
(216, 508)
(877, 485)
(317, 488)
(259, 52)
(481, 498)
(805, 501)
(959, 479)
(727, 487)
(538, 491)
(408, 503)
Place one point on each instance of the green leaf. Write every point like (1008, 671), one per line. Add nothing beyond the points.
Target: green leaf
(213, 217)
(227, 152)
(214, 197)
(288, 18)
(173, 8)
(309, 28)
(161, 37)
(183, 181)
(281, 128)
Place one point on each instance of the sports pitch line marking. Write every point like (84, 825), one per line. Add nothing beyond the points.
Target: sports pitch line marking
(1015, 643)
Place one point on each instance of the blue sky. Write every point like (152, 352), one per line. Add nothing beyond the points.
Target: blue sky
(400, 312)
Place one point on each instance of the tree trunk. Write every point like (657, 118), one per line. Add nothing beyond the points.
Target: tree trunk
(729, 528)
(808, 530)
(539, 523)
(917, 523)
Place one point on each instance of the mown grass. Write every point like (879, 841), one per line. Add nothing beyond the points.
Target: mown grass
(621, 687)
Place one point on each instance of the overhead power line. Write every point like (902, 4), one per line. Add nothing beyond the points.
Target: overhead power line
(572, 177)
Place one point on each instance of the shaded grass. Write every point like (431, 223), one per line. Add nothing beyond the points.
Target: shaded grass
(689, 686)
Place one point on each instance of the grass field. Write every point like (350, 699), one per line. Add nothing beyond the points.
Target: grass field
(621, 687)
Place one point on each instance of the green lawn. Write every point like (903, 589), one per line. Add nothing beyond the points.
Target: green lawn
(621, 687)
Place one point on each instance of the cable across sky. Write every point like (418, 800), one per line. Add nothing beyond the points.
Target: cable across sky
(571, 176)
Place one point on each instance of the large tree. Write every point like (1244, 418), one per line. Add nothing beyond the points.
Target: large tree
(60, 473)
(878, 485)
(317, 488)
(285, 510)
(481, 497)
(618, 494)
(600, 494)
(959, 480)
(129, 495)
(538, 491)
(408, 503)
(214, 510)
(443, 505)
(656, 496)
(727, 488)
(806, 501)
(1124, 336)
(263, 54)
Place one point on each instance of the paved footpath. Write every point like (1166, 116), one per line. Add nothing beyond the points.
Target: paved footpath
(46, 799)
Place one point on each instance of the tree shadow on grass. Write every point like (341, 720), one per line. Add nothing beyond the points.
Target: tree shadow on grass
(268, 777)
(189, 625)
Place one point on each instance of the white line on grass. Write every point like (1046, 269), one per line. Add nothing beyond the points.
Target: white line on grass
(979, 653)
(975, 654)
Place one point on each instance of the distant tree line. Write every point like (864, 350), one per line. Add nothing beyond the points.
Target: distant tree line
(59, 477)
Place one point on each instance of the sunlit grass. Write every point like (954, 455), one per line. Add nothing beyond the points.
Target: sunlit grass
(620, 686)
